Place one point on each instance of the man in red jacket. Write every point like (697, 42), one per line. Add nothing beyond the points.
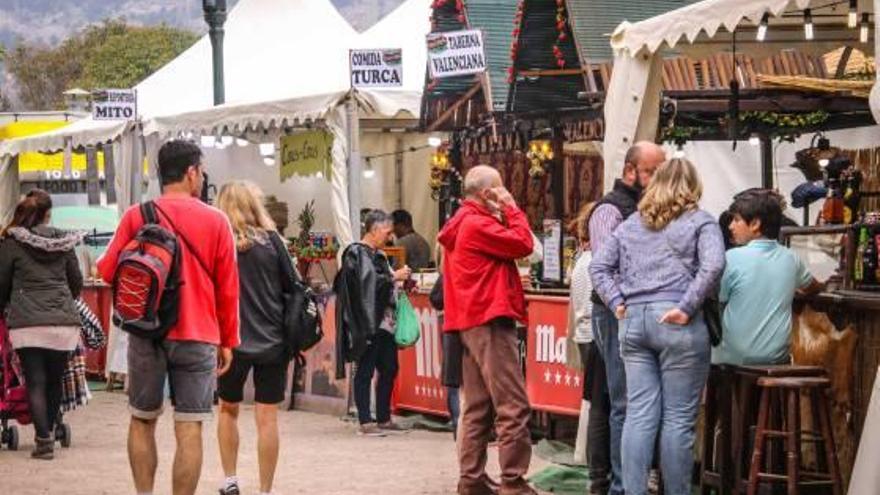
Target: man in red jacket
(483, 299)
(199, 347)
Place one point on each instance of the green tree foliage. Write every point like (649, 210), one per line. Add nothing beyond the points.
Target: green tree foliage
(112, 54)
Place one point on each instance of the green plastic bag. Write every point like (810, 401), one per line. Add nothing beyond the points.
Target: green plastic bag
(407, 333)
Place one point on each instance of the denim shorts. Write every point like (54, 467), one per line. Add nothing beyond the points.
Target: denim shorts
(190, 368)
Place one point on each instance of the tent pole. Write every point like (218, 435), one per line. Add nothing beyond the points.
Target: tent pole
(766, 162)
(354, 164)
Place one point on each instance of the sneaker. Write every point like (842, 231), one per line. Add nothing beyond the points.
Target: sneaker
(231, 489)
(44, 449)
(392, 427)
(370, 430)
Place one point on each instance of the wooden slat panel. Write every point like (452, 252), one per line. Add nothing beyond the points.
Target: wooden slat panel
(751, 72)
(692, 73)
(786, 65)
(667, 78)
(723, 71)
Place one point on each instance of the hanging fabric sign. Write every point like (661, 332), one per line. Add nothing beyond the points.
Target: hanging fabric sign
(306, 154)
(376, 68)
(456, 53)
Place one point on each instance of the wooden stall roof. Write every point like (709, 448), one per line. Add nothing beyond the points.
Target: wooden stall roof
(442, 97)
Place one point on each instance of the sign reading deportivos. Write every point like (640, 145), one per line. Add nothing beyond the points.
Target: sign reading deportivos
(376, 68)
(456, 53)
(114, 104)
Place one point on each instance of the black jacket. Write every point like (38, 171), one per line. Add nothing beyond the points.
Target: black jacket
(261, 303)
(364, 287)
(39, 277)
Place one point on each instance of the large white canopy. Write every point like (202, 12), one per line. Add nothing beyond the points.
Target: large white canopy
(633, 97)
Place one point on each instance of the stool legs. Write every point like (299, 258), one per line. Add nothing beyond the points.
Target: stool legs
(760, 437)
(824, 412)
(793, 440)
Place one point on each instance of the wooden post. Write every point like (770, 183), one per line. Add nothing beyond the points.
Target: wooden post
(558, 172)
(93, 187)
(109, 172)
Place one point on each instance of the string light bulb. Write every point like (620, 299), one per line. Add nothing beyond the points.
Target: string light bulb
(809, 32)
(863, 29)
(853, 16)
(762, 28)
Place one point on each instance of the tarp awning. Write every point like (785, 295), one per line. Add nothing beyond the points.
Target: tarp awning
(86, 132)
(239, 118)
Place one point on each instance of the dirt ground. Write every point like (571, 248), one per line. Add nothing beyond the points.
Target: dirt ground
(319, 455)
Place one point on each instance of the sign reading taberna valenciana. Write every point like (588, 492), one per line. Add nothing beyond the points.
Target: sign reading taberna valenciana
(456, 53)
(376, 68)
(307, 154)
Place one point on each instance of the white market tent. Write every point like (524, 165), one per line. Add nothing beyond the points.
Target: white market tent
(283, 59)
(632, 104)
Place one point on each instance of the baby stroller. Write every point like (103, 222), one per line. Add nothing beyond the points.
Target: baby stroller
(13, 398)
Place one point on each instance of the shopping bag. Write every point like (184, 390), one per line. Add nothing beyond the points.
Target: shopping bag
(407, 333)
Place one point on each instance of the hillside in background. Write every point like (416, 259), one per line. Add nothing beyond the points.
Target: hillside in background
(51, 21)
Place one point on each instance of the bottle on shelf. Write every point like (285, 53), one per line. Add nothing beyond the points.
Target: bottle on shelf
(859, 269)
(869, 267)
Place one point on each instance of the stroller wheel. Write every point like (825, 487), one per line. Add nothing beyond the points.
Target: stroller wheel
(62, 434)
(11, 437)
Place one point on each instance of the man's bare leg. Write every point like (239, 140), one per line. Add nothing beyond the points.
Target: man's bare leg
(188, 458)
(267, 444)
(142, 454)
(227, 437)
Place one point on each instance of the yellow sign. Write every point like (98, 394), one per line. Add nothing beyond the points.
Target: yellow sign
(307, 154)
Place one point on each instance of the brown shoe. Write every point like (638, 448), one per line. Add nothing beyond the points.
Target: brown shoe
(44, 449)
(520, 487)
(370, 430)
(481, 487)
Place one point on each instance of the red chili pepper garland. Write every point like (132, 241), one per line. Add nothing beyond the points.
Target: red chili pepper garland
(561, 22)
(514, 44)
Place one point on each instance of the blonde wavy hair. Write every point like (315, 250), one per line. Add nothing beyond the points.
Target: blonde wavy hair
(580, 226)
(242, 202)
(675, 189)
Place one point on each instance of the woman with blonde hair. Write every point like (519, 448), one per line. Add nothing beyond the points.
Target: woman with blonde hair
(655, 271)
(262, 270)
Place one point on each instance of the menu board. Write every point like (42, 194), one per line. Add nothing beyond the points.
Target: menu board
(552, 251)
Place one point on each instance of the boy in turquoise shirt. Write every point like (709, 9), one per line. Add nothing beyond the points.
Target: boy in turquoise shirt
(759, 284)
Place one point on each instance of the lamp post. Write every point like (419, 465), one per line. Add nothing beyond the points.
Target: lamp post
(215, 16)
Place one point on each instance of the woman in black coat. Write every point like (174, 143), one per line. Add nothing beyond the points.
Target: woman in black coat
(39, 281)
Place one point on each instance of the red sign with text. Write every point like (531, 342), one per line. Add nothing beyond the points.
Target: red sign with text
(551, 385)
(418, 386)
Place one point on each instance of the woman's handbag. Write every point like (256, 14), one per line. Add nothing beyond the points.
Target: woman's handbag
(407, 332)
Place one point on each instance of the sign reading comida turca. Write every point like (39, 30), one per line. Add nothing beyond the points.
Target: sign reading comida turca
(114, 104)
(456, 53)
(376, 68)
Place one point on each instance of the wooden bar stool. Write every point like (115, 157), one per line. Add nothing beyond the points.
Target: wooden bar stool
(784, 394)
(724, 464)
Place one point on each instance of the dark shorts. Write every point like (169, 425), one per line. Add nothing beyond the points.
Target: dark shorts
(270, 380)
(190, 370)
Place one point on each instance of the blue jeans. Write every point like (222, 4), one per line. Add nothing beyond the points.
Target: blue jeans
(605, 333)
(666, 369)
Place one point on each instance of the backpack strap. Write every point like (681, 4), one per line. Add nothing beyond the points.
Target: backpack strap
(148, 213)
(288, 272)
(154, 206)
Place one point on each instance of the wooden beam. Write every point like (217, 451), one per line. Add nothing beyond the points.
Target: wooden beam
(451, 110)
(550, 72)
(792, 104)
(842, 63)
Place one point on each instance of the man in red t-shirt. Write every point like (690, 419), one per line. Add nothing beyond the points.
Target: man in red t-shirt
(483, 299)
(199, 347)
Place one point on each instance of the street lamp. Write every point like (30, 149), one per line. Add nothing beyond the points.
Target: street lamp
(215, 16)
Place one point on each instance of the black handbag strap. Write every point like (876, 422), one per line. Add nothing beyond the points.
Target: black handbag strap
(287, 270)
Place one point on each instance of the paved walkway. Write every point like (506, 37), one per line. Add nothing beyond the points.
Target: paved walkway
(319, 455)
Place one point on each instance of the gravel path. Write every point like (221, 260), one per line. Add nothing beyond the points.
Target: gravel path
(319, 455)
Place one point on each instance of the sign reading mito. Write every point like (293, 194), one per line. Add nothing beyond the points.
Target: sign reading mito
(376, 68)
(114, 104)
(456, 53)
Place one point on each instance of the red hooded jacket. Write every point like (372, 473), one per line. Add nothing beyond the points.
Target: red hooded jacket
(480, 278)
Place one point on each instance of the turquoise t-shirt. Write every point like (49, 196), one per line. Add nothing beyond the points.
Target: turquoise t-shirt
(758, 286)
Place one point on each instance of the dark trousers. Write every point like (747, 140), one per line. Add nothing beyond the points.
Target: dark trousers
(381, 357)
(43, 374)
(598, 430)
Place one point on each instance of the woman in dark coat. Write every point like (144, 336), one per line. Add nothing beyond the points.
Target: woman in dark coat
(39, 280)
